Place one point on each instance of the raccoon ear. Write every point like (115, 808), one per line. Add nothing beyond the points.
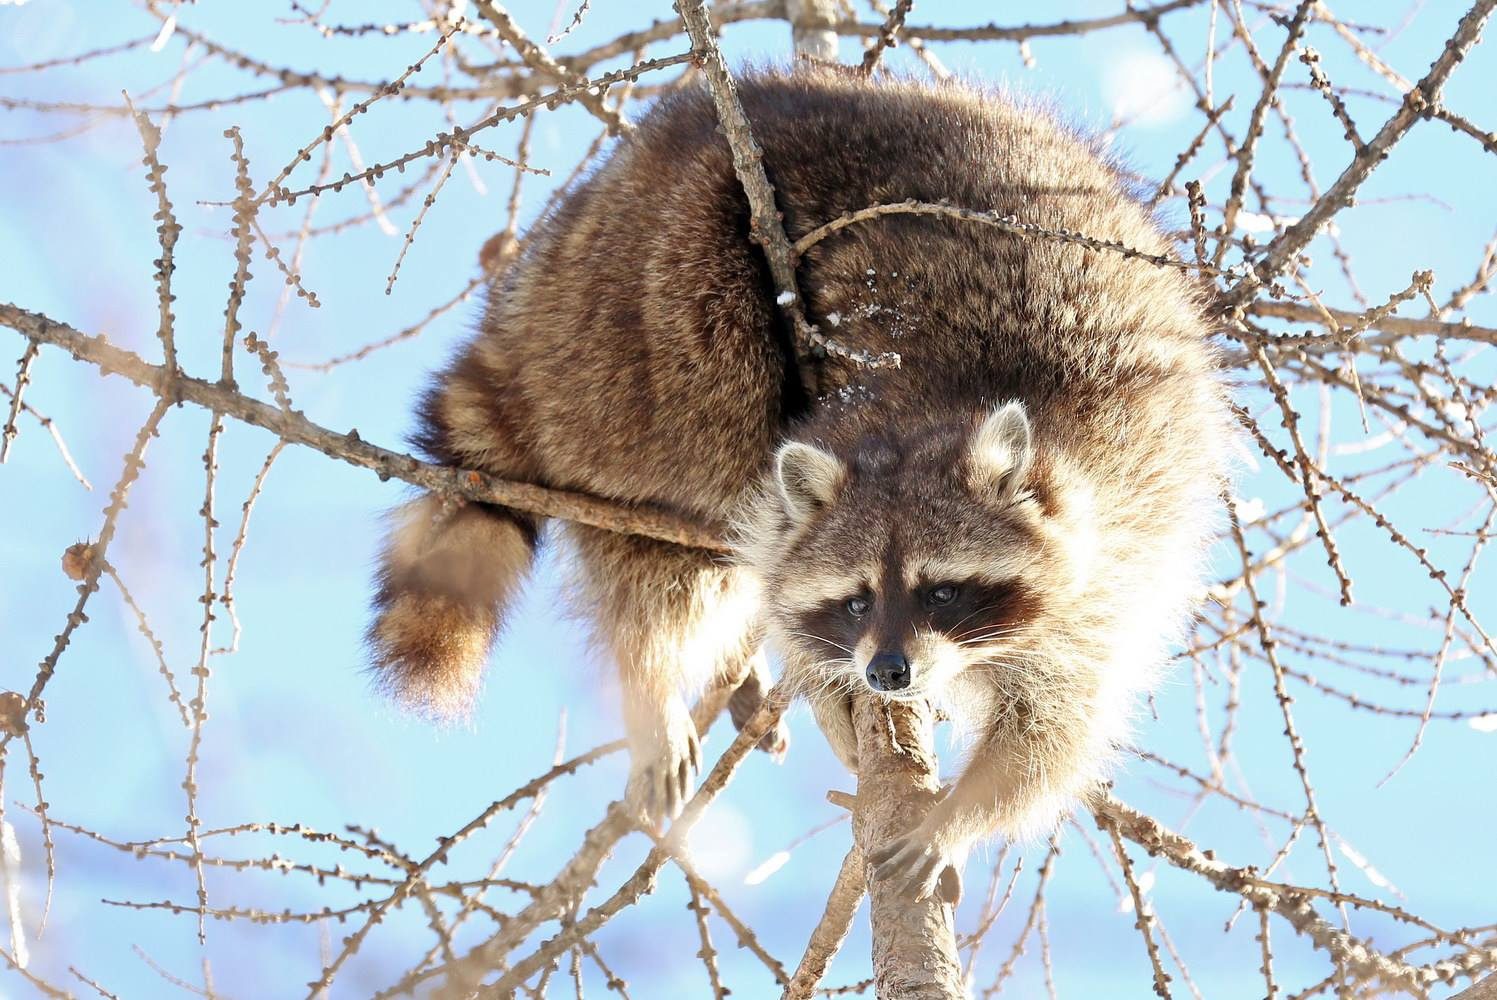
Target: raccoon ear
(807, 478)
(1001, 452)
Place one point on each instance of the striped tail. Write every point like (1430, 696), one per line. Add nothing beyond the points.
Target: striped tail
(447, 576)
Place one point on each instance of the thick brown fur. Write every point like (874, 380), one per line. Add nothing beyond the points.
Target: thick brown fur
(634, 351)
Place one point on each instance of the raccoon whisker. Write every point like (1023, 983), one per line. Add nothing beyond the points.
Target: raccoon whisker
(1014, 627)
(844, 684)
(833, 667)
(1026, 671)
(817, 638)
(1008, 657)
(1008, 666)
(981, 648)
(978, 640)
(992, 630)
(974, 614)
(1008, 633)
(968, 618)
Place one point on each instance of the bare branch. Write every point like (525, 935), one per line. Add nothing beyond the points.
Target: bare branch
(914, 941)
(831, 930)
(291, 426)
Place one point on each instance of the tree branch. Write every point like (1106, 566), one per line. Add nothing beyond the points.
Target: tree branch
(1393, 327)
(293, 426)
(841, 905)
(914, 941)
(1357, 956)
(1417, 104)
(813, 28)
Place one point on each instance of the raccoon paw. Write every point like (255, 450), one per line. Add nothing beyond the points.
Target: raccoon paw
(742, 705)
(921, 867)
(776, 742)
(663, 771)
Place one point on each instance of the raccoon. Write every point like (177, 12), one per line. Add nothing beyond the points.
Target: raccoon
(1009, 523)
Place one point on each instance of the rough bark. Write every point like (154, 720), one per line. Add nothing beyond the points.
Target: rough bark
(914, 943)
(1484, 990)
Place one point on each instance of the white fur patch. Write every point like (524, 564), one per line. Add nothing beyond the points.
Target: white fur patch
(805, 589)
(955, 567)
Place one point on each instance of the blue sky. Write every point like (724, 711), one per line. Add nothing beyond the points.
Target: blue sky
(295, 734)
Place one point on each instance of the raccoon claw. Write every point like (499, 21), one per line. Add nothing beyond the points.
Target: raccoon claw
(661, 783)
(776, 742)
(920, 868)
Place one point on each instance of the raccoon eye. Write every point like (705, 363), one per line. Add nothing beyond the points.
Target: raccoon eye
(944, 594)
(857, 606)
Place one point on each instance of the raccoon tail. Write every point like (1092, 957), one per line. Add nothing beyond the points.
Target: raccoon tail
(448, 574)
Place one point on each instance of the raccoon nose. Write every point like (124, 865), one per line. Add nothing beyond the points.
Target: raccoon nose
(888, 672)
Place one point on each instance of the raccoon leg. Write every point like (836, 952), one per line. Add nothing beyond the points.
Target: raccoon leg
(675, 620)
(448, 572)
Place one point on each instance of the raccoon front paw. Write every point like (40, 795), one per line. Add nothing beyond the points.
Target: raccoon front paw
(663, 769)
(922, 866)
(776, 742)
(742, 705)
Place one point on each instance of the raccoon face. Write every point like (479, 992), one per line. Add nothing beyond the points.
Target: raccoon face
(914, 560)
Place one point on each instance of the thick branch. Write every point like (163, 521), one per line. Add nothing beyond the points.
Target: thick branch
(914, 944)
(812, 24)
(1484, 990)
